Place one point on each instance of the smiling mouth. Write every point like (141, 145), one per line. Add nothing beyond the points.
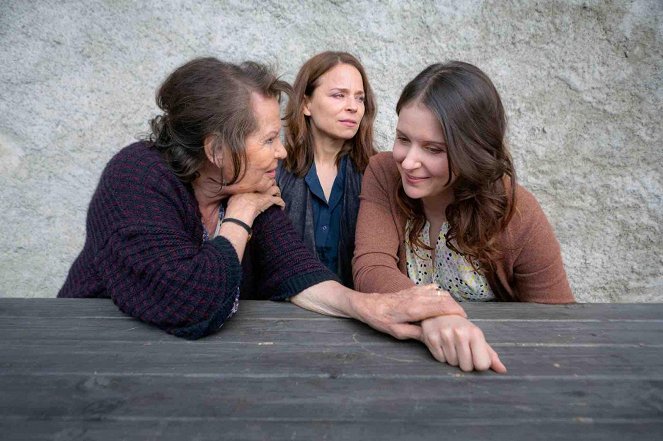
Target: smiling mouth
(413, 179)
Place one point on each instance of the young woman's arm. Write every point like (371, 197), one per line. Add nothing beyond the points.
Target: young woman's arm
(375, 263)
(538, 270)
(459, 342)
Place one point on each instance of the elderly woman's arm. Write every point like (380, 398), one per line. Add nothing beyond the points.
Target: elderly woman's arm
(245, 207)
(288, 270)
(391, 313)
(143, 249)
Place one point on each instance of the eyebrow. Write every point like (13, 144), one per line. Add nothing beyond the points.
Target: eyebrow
(425, 141)
(342, 89)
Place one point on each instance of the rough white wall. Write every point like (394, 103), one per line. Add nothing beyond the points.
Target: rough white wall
(581, 81)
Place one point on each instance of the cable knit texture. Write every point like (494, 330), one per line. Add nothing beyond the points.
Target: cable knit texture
(144, 249)
(530, 270)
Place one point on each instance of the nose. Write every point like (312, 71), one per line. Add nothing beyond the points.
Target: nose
(279, 150)
(411, 160)
(351, 104)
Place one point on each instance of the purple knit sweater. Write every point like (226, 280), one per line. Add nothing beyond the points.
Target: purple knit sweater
(144, 249)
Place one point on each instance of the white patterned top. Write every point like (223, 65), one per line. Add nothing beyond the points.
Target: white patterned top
(451, 271)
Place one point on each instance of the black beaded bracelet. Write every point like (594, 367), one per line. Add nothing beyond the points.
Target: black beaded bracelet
(240, 223)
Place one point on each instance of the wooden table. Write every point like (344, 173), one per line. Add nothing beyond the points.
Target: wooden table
(80, 369)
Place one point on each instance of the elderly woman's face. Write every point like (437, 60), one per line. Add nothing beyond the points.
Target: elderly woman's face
(263, 148)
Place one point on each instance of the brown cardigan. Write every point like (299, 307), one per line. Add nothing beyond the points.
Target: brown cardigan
(531, 268)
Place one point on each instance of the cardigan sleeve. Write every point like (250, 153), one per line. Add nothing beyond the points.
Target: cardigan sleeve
(284, 265)
(538, 270)
(153, 265)
(375, 262)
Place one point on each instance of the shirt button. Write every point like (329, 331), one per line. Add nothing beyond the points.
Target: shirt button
(324, 228)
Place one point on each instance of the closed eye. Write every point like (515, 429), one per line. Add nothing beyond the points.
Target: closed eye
(434, 149)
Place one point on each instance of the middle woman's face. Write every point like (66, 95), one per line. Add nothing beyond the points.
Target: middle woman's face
(336, 106)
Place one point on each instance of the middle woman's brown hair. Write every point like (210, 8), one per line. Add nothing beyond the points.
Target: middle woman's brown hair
(298, 136)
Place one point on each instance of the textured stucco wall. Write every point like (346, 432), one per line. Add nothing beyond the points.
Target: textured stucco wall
(582, 82)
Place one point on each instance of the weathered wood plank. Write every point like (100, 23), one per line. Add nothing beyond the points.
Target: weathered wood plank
(279, 360)
(326, 428)
(80, 369)
(456, 399)
(34, 330)
(251, 309)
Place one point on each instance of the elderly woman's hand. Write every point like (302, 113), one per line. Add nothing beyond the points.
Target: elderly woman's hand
(396, 313)
(444, 327)
(457, 341)
(247, 206)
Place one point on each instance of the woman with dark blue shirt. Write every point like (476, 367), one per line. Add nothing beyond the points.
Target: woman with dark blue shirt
(329, 139)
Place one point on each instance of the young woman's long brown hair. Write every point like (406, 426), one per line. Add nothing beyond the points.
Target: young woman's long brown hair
(298, 136)
(473, 121)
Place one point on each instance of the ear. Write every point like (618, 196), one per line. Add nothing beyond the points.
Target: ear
(306, 106)
(213, 156)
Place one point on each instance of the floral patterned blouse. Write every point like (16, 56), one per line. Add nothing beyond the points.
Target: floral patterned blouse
(450, 271)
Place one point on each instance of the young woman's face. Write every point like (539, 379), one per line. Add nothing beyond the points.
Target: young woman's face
(420, 151)
(336, 106)
(263, 148)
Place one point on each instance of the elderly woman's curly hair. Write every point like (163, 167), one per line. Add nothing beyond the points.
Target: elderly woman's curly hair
(208, 97)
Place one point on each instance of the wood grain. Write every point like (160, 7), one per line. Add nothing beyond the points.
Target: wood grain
(80, 369)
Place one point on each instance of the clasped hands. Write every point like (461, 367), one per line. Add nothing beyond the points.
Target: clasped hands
(424, 313)
(432, 316)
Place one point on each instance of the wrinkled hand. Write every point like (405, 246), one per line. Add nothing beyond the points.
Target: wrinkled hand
(247, 206)
(457, 341)
(396, 313)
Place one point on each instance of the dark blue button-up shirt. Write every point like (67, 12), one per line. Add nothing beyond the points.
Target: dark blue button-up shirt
(327, 215)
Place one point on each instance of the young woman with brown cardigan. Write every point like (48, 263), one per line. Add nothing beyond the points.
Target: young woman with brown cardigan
(444, 207)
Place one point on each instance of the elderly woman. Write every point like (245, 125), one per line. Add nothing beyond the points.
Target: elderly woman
(329, 139)
(183, 225)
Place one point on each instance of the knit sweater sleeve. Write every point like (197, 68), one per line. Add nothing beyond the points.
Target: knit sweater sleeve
(284, 265)
(143, 228)
(375, 262)
(538, 270)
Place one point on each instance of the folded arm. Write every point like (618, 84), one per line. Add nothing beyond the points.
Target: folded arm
(146, 245)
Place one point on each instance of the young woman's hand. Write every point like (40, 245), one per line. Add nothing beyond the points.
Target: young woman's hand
(455, 340)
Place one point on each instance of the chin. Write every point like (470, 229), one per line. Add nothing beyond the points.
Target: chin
(351, 135)
(413, 193)
(263, 186)
(345, 135)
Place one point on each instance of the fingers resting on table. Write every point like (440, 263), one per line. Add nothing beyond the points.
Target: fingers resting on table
(457, 341)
